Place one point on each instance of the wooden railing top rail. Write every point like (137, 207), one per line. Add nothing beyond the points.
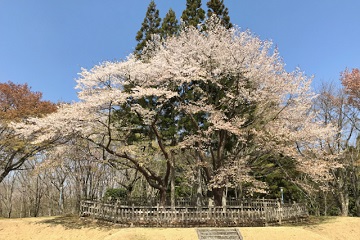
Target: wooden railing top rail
(244, 205)
(192, 202)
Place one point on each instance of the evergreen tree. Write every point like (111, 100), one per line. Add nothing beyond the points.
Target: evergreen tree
(193, 14)
(150, 26)
(170, 24)
(218, 8)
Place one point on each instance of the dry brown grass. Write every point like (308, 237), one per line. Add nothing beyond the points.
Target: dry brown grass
(74, 228)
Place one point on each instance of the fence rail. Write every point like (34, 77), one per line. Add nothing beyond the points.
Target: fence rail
(189, 202)
(246, 214)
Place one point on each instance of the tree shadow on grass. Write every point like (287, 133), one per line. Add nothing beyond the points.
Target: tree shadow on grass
(311, 221)
(76, 222)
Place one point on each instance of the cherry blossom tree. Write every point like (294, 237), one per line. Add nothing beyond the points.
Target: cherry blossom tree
(332, 107)
(18, 102)
(222, 93)
(351, 82)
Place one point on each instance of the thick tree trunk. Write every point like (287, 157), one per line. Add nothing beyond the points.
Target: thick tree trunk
(37, 200)
(162, 200)
(3, 175)
(344, 204)
(342, 192)
(224, 196)
(172, 183)
(357, 206)
(199, 189)
(218, 196)
(9, 211)
(356, 189)
(325, 202)
(61, 200)
(77, 194)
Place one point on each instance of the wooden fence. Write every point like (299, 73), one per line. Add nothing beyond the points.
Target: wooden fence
(249, 214)
(190, 202)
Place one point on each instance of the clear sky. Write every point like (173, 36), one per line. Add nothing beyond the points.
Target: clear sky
(45, 42)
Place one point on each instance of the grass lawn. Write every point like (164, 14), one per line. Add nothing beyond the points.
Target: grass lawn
(74, 228)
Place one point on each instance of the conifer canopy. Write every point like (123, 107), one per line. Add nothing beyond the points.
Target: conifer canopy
(193, 15)
(150, 26)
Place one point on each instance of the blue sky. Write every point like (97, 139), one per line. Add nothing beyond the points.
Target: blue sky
(45, 42)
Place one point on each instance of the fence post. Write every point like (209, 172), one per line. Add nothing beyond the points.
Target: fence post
(81, 208)
(132, 211)
(157, 215)
(265, 213)
(279, 212)
(116, 212)
(209, 212)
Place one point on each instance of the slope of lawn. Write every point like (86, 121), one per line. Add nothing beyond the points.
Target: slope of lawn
(74, 228)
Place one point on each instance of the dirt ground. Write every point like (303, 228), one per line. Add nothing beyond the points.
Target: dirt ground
(73, 228)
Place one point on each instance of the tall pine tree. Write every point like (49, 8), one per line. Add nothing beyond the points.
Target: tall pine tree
(150, 26)
(193, 14)
(170, 25)
(218, 8)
